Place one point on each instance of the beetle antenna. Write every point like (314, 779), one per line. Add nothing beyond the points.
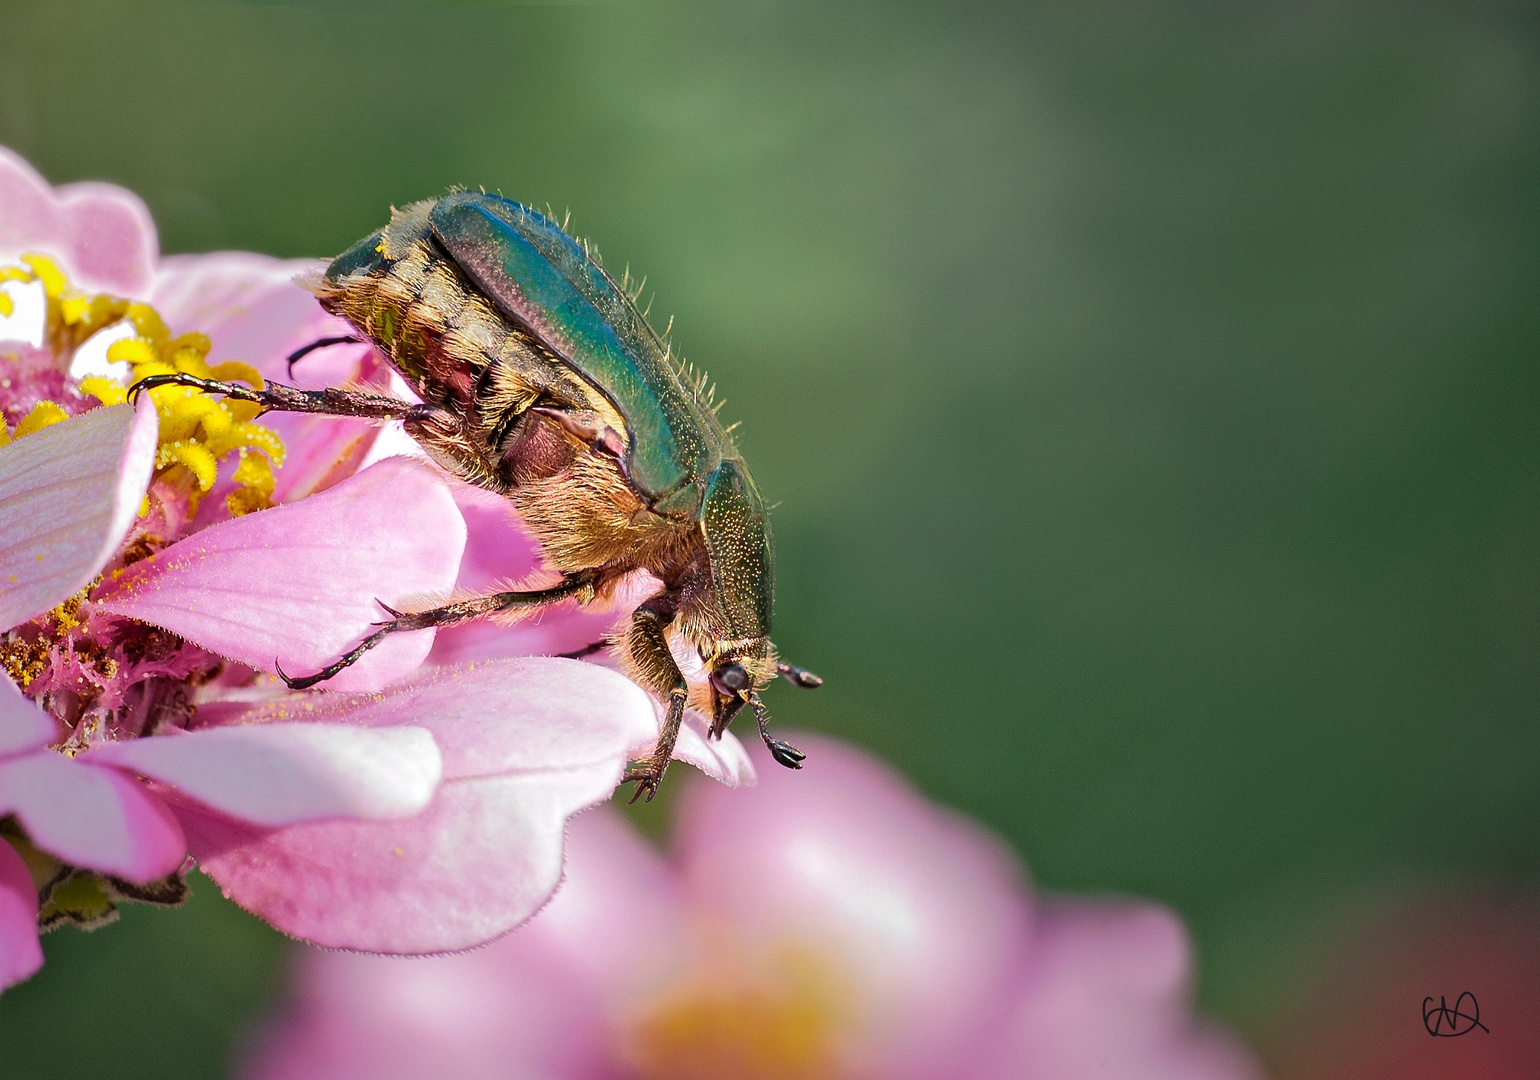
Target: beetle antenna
(784, 753)
(798, 676)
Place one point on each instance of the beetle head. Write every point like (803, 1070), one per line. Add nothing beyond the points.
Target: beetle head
(736, 678)
(736, 675)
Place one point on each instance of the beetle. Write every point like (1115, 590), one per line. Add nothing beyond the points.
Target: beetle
(540, 380)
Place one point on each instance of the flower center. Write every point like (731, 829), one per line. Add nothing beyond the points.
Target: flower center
(774, 1019)
(103, 676)
(196, 431)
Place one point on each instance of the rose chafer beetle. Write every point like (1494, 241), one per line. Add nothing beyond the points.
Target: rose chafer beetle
(541, 380)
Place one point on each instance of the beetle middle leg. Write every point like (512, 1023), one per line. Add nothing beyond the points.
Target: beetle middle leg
(446, 615)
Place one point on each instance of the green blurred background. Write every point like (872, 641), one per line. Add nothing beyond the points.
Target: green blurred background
(1150, 393)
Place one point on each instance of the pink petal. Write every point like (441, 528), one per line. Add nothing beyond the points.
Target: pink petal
(91, 817)
(23, 726)
(252, 310)
(921, 912)
(1109, 998)
(724, 760)
(300, 584)
(279, 774)
(21, 954)
(102, 234)
(526, 744)
(524, 714)
(537, 1002)
(68, 495)
(482, 858)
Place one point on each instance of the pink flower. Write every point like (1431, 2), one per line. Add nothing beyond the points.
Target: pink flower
(830, 924)
(158, 563)
(1394, 967)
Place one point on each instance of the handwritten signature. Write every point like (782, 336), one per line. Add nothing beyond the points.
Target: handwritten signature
(1444, 1021)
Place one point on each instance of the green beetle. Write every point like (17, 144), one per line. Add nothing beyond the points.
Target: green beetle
(540, 380)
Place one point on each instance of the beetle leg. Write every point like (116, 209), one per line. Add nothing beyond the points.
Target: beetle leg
(447, 615)
(276, 397)
(656, 669)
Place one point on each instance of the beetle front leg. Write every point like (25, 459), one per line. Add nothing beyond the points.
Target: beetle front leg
(656, 669)
(276, 397)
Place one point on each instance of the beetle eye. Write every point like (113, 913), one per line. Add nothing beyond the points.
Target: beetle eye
(730, 678)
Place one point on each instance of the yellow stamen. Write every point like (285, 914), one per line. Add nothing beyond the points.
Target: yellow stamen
(47, 271)
(7, 305)
(103, 389)
(194, 456)
(131, 351)
(193, 342)
(235, 371)
(74, 308)
(255, 477)
(43, 414)
(148, 324)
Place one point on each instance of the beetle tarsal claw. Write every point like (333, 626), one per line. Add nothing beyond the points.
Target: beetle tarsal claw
(647, 778)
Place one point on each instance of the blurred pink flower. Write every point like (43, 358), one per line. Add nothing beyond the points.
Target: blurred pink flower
(1391, 967)
(826, 925)
(392, 812)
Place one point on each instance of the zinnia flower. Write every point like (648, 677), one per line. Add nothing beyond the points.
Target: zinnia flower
(829, 924)
(158, 563)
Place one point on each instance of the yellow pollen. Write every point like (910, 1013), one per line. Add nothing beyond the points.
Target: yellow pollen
(197, 431)
(757, 1022)
(25, 660)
